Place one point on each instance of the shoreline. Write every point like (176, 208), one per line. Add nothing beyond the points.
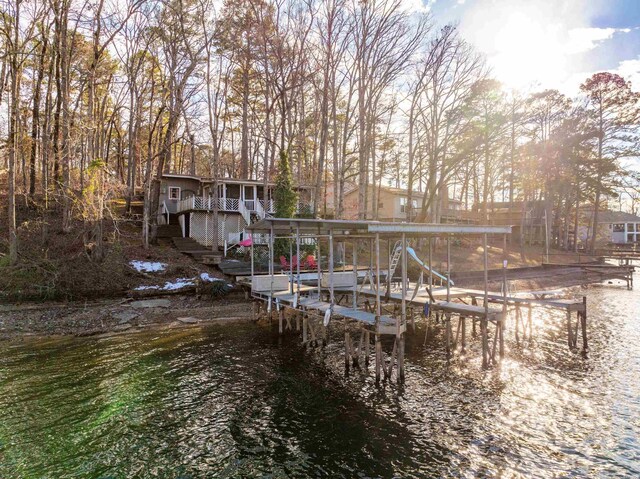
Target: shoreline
(116, 316)
(178, 309)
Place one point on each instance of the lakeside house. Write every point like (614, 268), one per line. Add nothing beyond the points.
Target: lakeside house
(615, 227)
(190, 200)
(393, 206)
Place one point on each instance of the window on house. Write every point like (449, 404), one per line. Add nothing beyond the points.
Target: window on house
(618, 228)
(404, 202)
(174, 193)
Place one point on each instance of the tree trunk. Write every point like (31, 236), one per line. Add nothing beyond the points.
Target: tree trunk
(66, 118)
(35, 120)
(13, 143)
(244, 149)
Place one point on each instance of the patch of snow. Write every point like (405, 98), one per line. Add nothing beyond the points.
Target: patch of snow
(147, 266)
(182, 283)
(178, 284)
(207, 278)
(170, 285)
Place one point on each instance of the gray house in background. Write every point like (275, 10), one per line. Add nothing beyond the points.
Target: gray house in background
(615, 227)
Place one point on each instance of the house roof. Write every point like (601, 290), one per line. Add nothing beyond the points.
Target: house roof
(399, 191)
(185, 177)
(284, 226)
(608, 216)
(234, 181)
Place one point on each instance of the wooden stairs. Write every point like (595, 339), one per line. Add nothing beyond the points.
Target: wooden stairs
(172, 230)
(200, 253)
(187, 246)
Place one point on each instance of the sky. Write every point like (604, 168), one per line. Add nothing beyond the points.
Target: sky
(534, 44)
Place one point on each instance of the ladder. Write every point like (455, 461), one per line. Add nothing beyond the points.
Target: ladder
(395, 258)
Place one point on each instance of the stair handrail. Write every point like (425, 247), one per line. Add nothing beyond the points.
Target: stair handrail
(244, 212)
(262, 212)
(260, 209)
(165, 212)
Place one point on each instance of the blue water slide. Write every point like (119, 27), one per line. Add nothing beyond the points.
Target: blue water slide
(411, 252)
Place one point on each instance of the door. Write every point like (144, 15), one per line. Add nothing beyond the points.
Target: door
(249, 197)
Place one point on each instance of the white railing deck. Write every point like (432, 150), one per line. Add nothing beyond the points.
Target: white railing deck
(198, 203)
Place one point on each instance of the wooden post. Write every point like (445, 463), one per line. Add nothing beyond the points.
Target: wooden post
(447, 329)
(486, 276)
(290, 267)
(403, 301)
(347, 353)
(319, 268)
(430, 270)
(378, 357)
(403, 312)
(428, 318)
(354, 298)
(331, 297)
(583, 319)
(401, 358)
(504, 293)
(448, 268)
(569, 330)
(367, 339)
(305, 326)
(271, 272)
(463, 340)
(517, 321)
(485, 342)
(484, 321)
(252, 265)
(280, 320)
(298, 281)
(378, 306)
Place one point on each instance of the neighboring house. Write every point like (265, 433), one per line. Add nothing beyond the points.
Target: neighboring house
(615, 227)
(240, 203)
(393, 206)
(328, 207)
(516, 214)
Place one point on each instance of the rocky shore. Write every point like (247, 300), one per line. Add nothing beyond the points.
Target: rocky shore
(117, 315)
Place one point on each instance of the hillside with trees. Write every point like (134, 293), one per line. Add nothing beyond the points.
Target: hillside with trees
(99, 98)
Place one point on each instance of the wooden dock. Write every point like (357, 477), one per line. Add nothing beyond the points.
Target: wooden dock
(360, 295)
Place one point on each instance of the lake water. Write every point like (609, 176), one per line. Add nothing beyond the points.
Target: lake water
(239, 401)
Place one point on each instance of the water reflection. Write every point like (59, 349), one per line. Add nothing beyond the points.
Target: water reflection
(238, 401)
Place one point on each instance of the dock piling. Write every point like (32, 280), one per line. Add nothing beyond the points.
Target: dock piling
(583, 319)
(378, 357)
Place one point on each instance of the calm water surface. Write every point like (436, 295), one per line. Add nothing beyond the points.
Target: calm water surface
(238, 401)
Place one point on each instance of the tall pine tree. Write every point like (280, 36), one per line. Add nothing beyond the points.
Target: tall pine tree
(284, 195)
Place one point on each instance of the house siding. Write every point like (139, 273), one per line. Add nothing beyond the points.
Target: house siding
(188, 187)
(201, 228)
